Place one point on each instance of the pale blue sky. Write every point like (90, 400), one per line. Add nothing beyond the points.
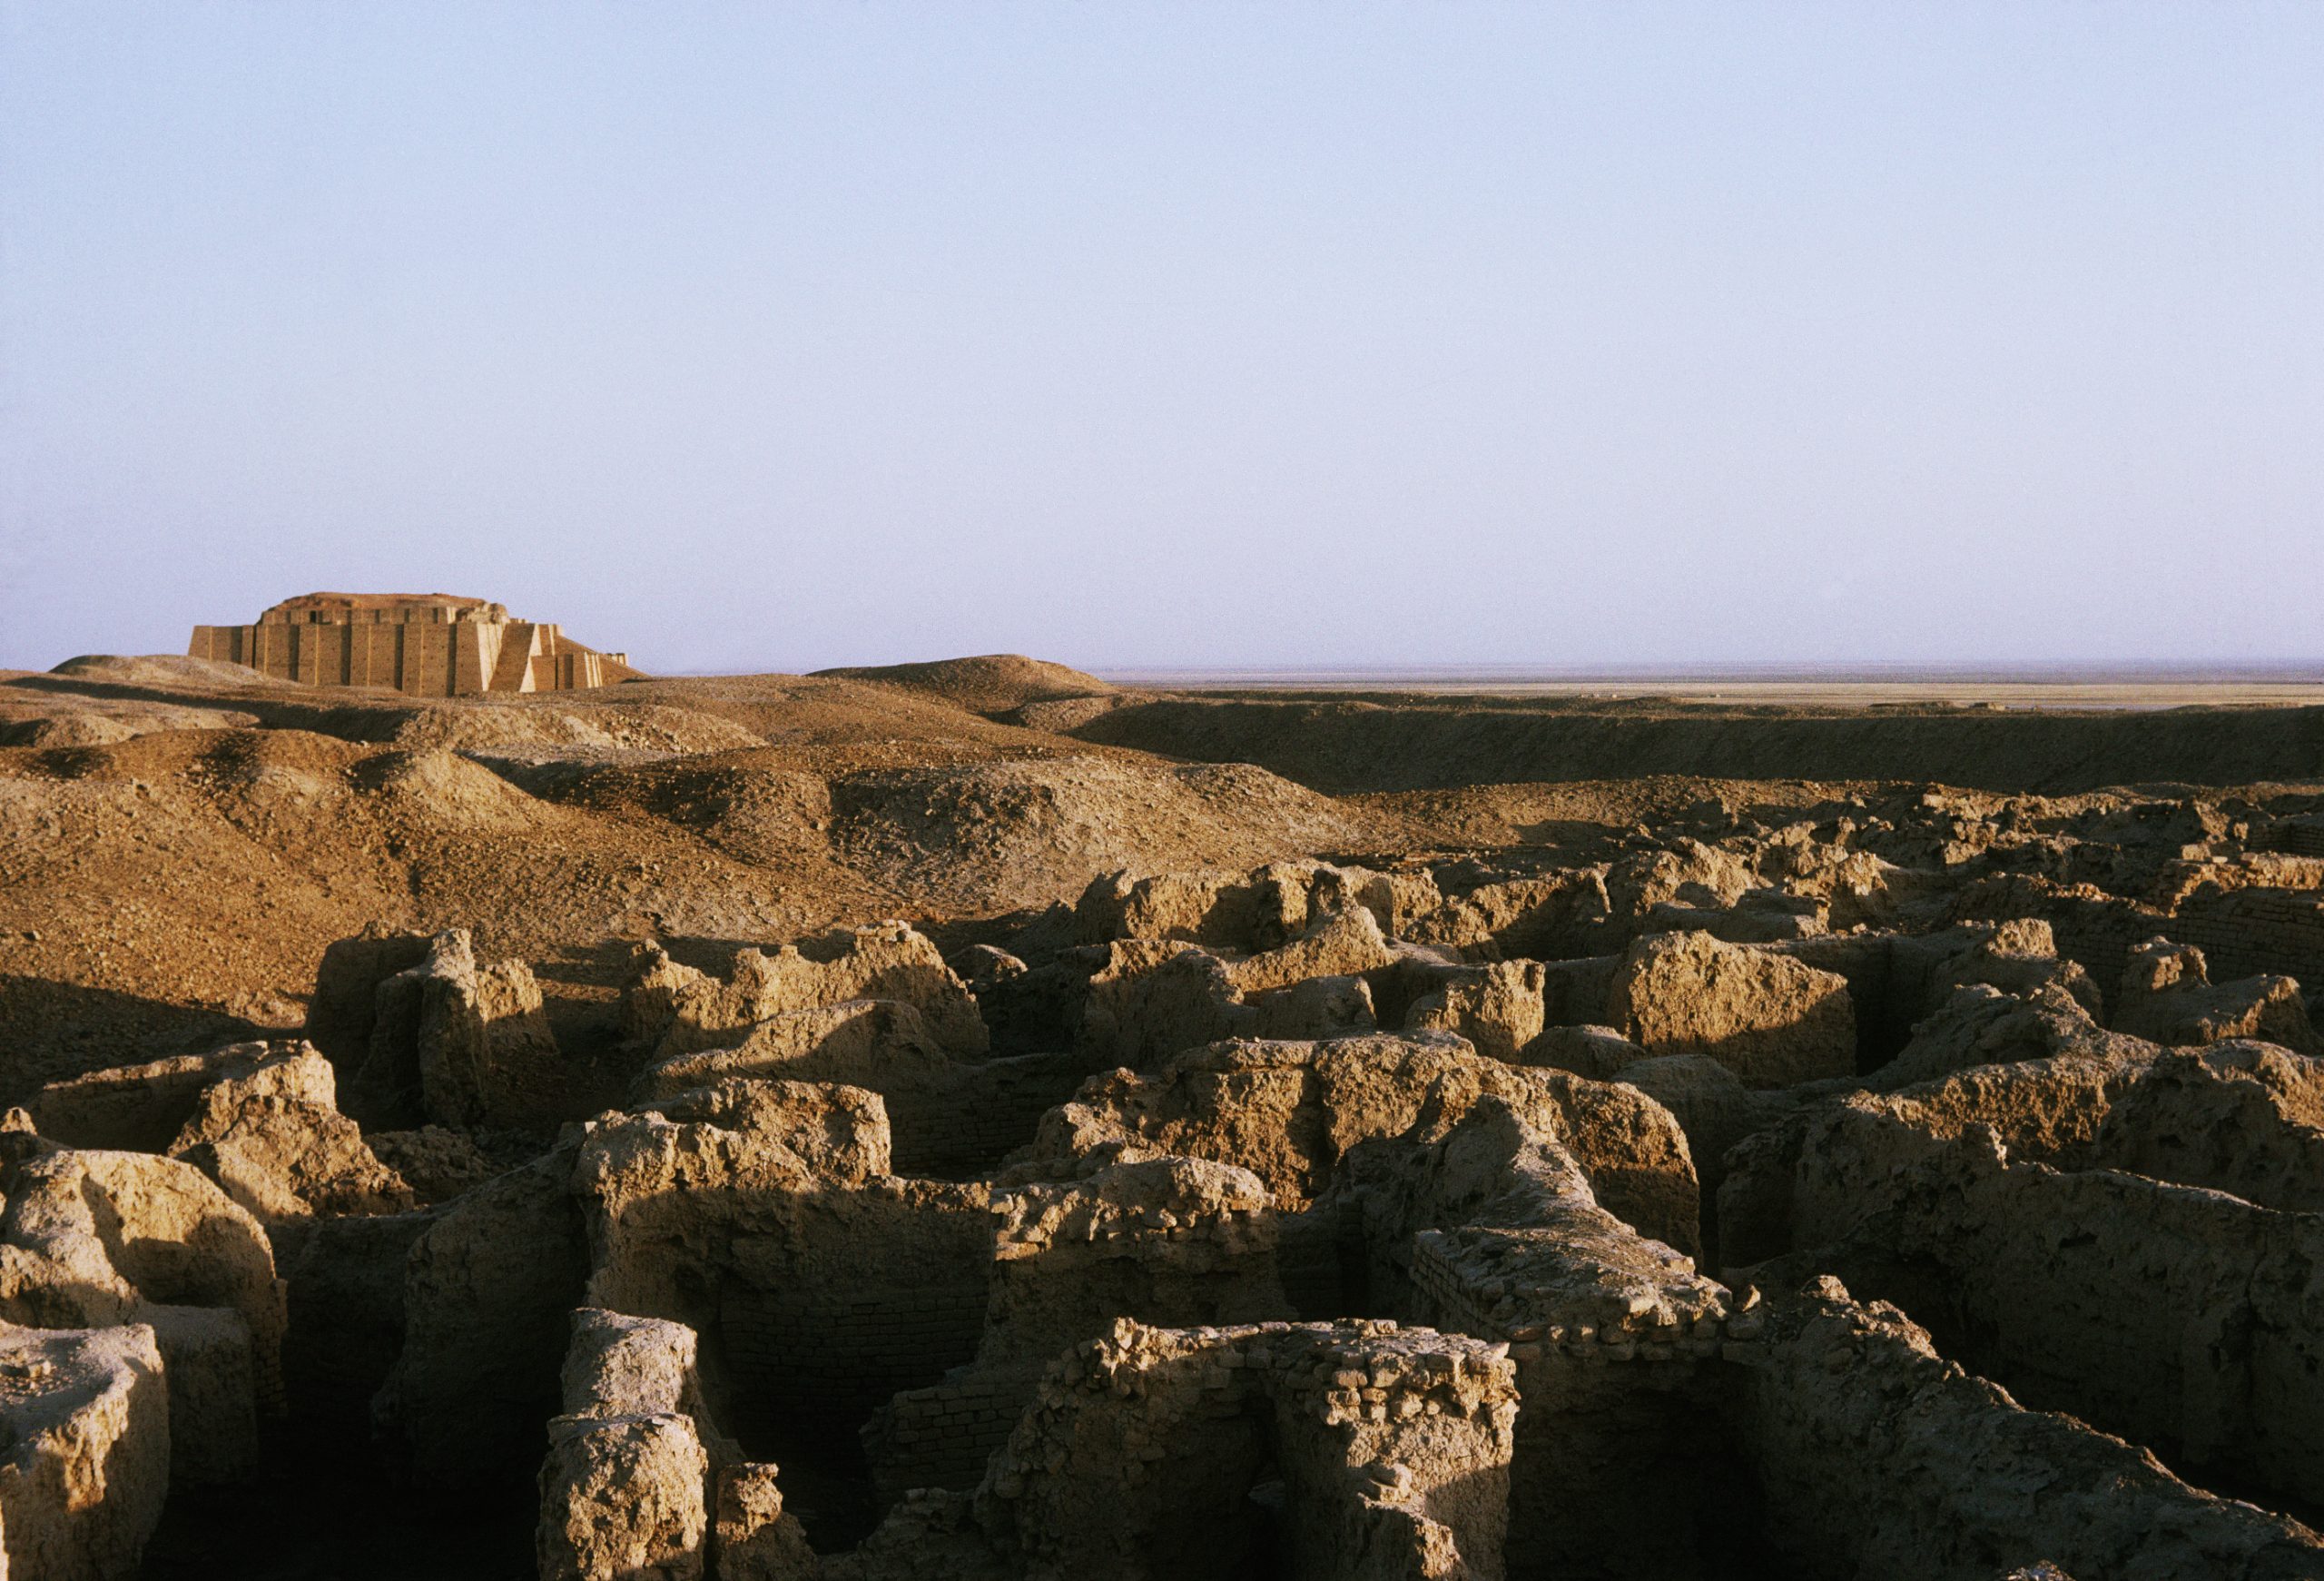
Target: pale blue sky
(785, 335)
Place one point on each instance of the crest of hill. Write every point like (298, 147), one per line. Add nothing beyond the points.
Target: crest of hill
(992, 683)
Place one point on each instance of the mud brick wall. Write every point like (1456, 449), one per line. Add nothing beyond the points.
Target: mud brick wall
(2167, 1314)
(965, 1128)
(876, 1294)
(1316, 1254)
(2097, 934)
(942, 1437)
(1619, 1456)
(1443, 1296)
(1069, 1259)
(2244, 932)
(835, 1353)
(1574, 991)
(1142, 1449)
(2093, 932)
(1886, 1001)
(1617, 1448)
(346, 990)
(1872, 1457)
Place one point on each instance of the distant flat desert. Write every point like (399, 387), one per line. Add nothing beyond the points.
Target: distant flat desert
(1837, 687)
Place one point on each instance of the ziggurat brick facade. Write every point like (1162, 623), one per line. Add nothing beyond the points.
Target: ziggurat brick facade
(437, 645)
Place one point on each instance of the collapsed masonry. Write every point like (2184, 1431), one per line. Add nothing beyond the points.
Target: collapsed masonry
(1311, 1221)
(430, 645)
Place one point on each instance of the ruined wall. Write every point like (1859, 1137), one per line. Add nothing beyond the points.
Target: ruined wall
(942, 1435)
(967, 1125)
(1167, 1241)
(1092, 1354)
(2243, 932)
(2240, 1117)
(488, 1289)
(639, 1480)
(454, 1041)
(1137, 1458)
(676, 1010)
(1493, 1230)
(343, 1288)
(761, 1214)
(1875, 1456)
(1290, 1111)
(2178, 1316)
(2039, 1104)
(92, 1238)
(948, 1117)
(828, 1311)
(84, 1451)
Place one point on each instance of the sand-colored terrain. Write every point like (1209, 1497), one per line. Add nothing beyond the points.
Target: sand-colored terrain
(178, 836)
(974, 1119)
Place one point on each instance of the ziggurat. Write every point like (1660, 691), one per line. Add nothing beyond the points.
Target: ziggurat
(436, 645)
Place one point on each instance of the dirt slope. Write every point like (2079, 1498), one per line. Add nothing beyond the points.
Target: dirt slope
(990, 837)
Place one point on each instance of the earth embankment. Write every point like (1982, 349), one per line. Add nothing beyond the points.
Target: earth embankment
(1348, 743)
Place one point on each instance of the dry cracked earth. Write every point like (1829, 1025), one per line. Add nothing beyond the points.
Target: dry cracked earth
(963, 1121)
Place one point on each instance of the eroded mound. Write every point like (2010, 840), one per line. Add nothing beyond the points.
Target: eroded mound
(999, 836)
(992, 683)
(161, 669)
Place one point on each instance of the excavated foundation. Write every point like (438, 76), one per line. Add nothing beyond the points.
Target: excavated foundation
(1923, 1185)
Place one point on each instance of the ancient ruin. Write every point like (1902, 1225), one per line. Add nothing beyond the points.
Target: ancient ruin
(899, 1126)
(430, 645)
